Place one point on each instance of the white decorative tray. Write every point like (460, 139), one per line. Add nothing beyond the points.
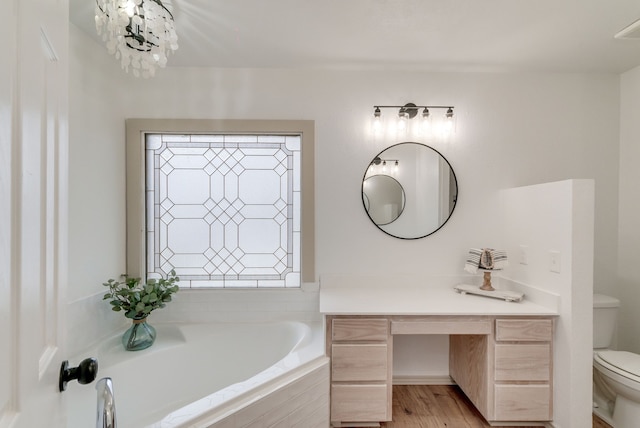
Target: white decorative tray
(509, 296)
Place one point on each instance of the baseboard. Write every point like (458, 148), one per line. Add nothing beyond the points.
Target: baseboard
(522, 424)
(354, 424)
(422, 380)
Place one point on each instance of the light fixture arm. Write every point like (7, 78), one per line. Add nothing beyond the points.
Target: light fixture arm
(412, 109)
(378, 160)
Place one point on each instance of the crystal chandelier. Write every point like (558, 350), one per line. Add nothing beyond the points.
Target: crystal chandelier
(140, 33)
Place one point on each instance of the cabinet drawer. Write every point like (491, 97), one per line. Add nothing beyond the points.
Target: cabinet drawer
(523, 402)
(359, 403)
(360, 329)
(441, 327)
(532, 330)
(523, 362)
(359, 362)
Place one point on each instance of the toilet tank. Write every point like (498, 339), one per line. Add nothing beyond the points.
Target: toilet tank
(605, 316)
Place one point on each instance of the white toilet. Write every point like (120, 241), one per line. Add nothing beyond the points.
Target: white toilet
(616, 374)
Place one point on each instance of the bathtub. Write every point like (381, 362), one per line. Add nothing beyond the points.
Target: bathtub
(213, 375)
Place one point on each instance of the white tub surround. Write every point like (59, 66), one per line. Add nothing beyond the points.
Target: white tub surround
(500, 353)
(209, 306)
(214, 375)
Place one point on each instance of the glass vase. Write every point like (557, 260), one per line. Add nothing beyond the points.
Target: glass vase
(139, 336)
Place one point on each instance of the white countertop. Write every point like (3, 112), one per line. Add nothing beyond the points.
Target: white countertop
(413, 300)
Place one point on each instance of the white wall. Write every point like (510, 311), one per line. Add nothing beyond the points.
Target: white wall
(96, 189)
(512, 130)
(559, 217)
(628, 280)
(97, 172)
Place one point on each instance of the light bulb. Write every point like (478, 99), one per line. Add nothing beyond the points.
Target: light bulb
(403, 118)
(384, 167)
(447, 125)
(376, 121)
(425, 121)
(395, 168)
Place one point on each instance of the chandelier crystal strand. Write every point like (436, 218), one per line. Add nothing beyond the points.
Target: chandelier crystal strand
(140, 33)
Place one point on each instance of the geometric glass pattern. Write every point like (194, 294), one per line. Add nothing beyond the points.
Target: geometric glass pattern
(224, 210)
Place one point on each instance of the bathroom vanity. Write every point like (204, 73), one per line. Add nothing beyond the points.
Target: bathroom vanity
(500, 353)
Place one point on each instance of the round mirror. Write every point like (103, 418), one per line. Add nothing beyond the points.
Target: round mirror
(383, 198)
(409, 190)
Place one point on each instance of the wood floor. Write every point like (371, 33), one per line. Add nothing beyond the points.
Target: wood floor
(599, 423)
(439, 406)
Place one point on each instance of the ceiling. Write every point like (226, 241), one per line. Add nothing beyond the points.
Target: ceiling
(434, 35)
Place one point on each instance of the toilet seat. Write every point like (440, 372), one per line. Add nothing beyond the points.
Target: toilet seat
(624, 363)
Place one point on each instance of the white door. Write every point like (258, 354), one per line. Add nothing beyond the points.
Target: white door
(33, 210)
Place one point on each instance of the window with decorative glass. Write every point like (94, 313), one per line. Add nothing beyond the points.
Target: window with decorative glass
(223, 209)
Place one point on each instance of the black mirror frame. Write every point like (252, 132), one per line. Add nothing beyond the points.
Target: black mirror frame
(455, 203)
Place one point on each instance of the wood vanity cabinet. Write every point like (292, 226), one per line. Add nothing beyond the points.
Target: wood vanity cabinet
(502, 363)
(507, 374)
(361, 363)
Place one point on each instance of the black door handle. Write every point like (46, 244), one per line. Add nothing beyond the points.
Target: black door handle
(85, 373)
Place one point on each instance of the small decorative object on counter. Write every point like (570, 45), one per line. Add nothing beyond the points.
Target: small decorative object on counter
(138, 300)
(487, 260)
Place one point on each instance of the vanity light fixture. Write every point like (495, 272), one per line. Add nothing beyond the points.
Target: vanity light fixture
(385, 165)
(407, 112)
(140, 33)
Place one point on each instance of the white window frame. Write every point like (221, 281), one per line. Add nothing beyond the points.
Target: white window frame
(136, 130)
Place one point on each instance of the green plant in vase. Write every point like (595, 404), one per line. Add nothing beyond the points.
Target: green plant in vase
(138, 300)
